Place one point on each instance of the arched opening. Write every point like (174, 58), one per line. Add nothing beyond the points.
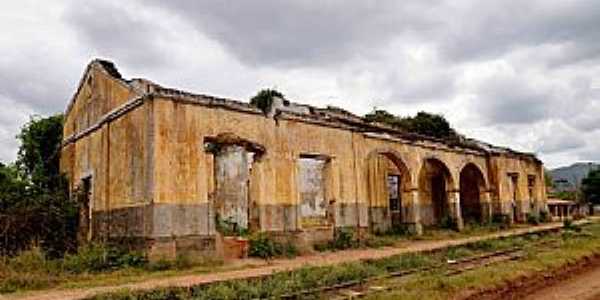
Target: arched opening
(388, 183)
(472, 185)
(434, 180)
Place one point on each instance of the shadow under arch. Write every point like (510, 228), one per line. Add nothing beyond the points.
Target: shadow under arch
(472, 186)
(389, 183)
(435, 181)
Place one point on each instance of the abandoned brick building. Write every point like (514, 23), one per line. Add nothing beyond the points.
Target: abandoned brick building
(170, 169)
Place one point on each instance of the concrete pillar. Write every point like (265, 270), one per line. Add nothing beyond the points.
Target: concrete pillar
(561, 210)
(454, 208)
(413, 213)
(486, 207)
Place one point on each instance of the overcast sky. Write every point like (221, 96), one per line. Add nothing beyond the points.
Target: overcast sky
(523, 74)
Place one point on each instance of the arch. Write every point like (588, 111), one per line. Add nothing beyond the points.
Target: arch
(389, 183)
(435, 181)
(472, 186)
(482, 169)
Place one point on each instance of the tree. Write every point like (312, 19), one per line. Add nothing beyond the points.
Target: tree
(591, 187)
(432, 125)
(548, 180)
(35, 207)
(424, 123)
(264, 99)
(39, 154)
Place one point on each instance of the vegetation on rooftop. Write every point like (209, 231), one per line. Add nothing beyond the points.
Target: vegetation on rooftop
(433, 125)
(264, 99)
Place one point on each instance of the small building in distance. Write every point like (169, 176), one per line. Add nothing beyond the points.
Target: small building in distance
(167, 171)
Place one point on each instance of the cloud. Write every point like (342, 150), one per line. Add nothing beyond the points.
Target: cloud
(556, 136)
(509, 98)
(120, 31)
(480, 32)
(513, 73)
(301, 33)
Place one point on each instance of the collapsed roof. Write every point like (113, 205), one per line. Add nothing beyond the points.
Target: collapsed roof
(328, 116)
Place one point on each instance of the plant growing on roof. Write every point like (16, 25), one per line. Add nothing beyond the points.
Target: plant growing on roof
(264, 99)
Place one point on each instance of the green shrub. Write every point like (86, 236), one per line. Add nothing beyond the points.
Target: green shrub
(91, 258)
(532, 219)
(322, 247)
(160, 265)
(448, 222)
(97, 257)
(132, 259)
(503, 220)
(544, 216)
(14, 281)
(378, 241)
(261, 245)
(183, 261)
(29, 261)
(264, 99)
(570, 226)
(457, 252)
(344, 239)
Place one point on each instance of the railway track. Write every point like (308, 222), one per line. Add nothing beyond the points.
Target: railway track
(360, 288)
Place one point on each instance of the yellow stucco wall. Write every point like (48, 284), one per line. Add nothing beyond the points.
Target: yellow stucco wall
(115, 155)
(154, 152)
(183, 169)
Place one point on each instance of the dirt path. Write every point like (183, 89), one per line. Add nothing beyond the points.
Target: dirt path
(321, 259)
(585, 286)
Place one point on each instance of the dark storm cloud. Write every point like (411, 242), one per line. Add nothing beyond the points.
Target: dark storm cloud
(111, 29)
(491, 29)
(329, 32)
(305, 33)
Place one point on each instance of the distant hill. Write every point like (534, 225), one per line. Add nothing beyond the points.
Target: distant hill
(569, 178)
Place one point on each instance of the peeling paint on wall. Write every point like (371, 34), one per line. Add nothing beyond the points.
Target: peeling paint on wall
(232, 174)
(313, 205)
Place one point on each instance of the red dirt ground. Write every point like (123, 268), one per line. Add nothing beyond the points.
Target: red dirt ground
(579, 281)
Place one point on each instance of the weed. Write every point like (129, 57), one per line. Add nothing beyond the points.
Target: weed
(29, 261)
(569, 225)
(532, 219)
(261, 245)
(457, 252)
(15, 281)
(90, 258)
(503, 220)
(161, 264)
(343, 239)
(448, 222)
(544, 216)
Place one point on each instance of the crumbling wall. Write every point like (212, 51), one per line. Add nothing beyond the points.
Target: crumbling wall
(311, 181)
(153, 172)
(504, 169)
(114, 157)
(232, 175)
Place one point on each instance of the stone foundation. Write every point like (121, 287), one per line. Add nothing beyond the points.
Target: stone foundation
(165, 230)
(191, 246)
(380, 219)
